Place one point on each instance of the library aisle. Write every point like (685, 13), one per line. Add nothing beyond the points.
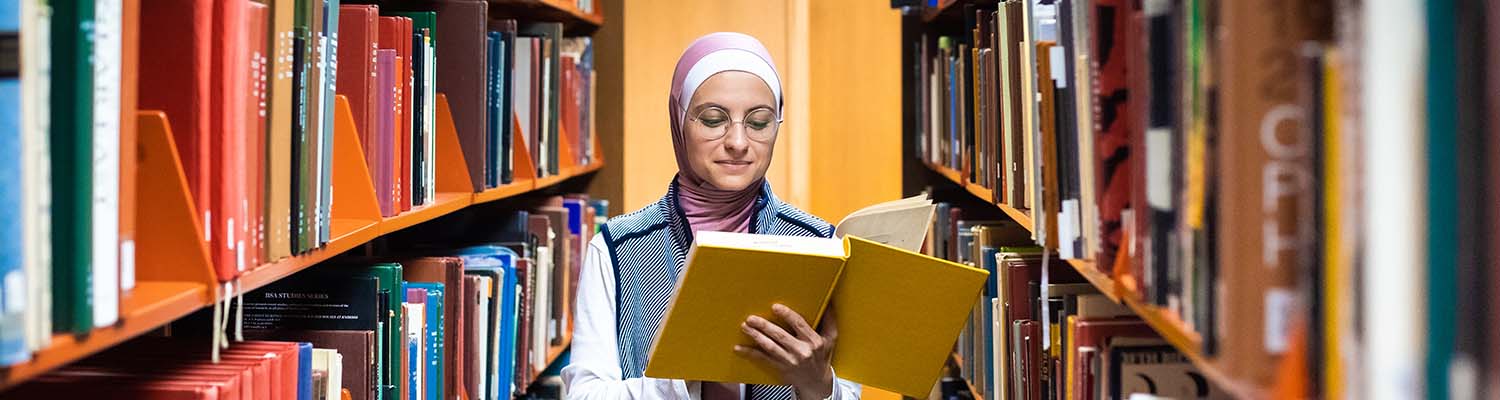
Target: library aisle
(973, 199)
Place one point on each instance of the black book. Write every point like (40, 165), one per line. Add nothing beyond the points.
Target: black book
(314, 302)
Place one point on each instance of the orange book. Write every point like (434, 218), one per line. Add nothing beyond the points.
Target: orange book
(255, 227)
(130, 41)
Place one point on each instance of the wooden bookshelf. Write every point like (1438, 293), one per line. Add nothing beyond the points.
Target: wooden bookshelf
(574, 20)
(173, 272)
(1164, 322)
(147, 307)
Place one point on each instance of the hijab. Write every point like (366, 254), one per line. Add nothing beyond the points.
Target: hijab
(706, 207)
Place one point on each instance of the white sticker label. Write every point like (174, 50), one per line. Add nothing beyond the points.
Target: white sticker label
(1280, 306)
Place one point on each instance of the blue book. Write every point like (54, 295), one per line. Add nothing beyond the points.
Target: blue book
(304, 371)
(576, 208)
(435, 330)
(499, 262)
(330, 81)
(991, 291)
(13, 279)
(492, 102)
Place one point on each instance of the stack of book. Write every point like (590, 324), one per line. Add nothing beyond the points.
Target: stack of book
(1257, 176)
(1060, 338)
(160, 368)
(250, 90)
(478, 319)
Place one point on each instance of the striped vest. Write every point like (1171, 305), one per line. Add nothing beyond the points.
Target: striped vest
(649, 250)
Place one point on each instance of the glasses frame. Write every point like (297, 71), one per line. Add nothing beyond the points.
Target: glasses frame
(774, 127)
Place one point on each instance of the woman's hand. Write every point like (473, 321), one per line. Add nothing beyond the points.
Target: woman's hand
(801, 355)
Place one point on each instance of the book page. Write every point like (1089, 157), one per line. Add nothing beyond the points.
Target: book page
(901, 223)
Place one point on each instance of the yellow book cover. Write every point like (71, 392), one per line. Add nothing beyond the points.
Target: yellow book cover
(899, 312)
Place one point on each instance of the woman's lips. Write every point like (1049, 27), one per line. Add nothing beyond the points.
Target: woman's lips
(734, 165)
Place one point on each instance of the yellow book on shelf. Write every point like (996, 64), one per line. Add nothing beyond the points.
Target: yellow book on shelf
(898, 312)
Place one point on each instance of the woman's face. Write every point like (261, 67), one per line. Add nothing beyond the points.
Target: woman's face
(730, 130)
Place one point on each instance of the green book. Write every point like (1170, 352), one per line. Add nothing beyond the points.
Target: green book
(388, 280)
(72, 142)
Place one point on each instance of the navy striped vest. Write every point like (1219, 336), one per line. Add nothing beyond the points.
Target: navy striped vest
(649, 249)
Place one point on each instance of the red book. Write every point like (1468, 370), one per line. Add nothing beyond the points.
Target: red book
(80, 385)
(472, 364)
(1112, 129)
(179, 58)
(408, 97)
(358, 31)
(260, 60)
(229, 85)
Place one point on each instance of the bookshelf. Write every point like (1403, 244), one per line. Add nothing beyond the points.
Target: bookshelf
(173, 268)
(576, 21)
(1171, 328)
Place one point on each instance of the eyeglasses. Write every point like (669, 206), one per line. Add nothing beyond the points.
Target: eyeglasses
(760, 124)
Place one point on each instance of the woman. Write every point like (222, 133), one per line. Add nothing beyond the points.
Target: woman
(725, 110)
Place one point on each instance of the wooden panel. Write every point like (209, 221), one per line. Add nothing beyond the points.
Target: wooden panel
(855, 97)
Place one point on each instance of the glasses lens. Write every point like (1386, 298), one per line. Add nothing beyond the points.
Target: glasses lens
(713, 118)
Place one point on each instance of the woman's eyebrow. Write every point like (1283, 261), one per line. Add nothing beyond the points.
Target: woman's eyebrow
(707, 105)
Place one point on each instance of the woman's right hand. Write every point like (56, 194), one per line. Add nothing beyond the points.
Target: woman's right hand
(802, 358)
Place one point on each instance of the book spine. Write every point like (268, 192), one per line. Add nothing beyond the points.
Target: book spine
(106, 162)
(36, 125)
(14, 302)
(1265, 174)
(72, 158)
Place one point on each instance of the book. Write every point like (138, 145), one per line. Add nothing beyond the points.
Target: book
(382, 136)
(462, 23)
(1258, 293)
(130, 39)
(357, 349)
(870, 286)
(447, 271)
(435, 338)
(311, 302)
(497, 263)
(15, 301)
(875, 222)
(72, 137)
(359, 34)
(35, 80)
(257, 135)
(278, 170)
(229, 85)
(414, 334)
(330, 364)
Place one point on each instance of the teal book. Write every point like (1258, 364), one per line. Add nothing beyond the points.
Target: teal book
(435, 333)
(330, 78)
(390, 282)
(72, 165)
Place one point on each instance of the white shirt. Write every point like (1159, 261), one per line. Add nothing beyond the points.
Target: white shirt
(594, 373)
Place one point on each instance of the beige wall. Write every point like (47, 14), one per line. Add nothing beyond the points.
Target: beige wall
(839, 147)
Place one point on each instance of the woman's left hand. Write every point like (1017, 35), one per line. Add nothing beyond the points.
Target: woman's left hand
(802, 355)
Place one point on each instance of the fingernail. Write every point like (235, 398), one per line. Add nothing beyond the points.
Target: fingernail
(739, 349)
(778, 307)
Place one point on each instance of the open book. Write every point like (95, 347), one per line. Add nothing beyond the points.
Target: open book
(898, 311)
